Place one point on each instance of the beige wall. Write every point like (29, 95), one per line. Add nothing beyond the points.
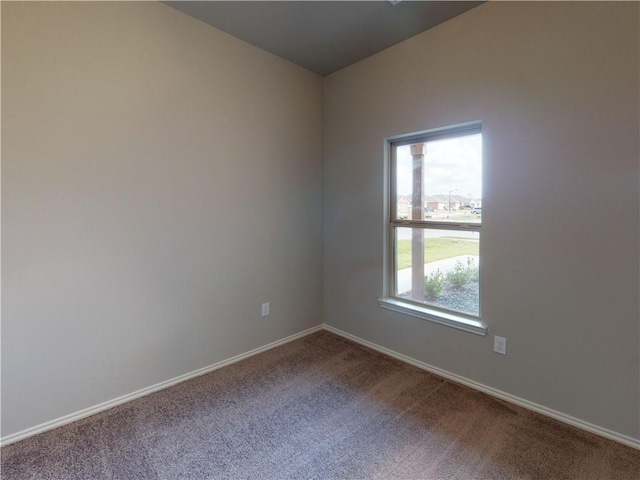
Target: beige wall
(160, 180)
(556, 87)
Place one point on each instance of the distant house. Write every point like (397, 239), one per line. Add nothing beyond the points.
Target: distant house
(436, 202)
(441, 202)
(403, 206)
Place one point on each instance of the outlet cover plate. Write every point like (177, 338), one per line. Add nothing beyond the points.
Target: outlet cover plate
(500, 345)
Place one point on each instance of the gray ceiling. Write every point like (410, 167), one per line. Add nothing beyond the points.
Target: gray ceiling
(323, 36)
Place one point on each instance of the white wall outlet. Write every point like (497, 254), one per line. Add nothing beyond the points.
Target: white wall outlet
(265, 309)
(500, 345)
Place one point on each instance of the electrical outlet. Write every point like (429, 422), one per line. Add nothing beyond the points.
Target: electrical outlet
(265, 309)
(500, 345)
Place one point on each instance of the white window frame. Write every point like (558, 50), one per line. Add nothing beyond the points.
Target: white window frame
(389, 299)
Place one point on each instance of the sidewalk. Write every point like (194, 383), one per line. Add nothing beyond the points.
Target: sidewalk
(404, 275)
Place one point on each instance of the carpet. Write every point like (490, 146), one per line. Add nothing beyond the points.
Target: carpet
(321, 407)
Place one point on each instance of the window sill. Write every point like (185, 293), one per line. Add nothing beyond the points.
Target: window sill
(436, 316)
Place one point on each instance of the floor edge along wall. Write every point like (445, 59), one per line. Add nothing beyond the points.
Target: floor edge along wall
(87, 412)
(576, 422)
(548, 412)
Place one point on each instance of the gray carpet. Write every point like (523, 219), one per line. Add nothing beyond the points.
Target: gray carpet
(318, 408)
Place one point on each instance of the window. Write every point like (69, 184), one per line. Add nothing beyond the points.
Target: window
(434, 224)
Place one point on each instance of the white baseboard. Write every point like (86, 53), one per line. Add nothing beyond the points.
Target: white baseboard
(58, 422)
(576, 422)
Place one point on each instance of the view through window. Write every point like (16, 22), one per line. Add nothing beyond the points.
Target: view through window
(436, 217)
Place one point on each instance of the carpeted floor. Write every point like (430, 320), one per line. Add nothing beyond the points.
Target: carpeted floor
(318, 408)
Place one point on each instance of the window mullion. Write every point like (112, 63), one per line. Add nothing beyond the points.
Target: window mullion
(436, 225)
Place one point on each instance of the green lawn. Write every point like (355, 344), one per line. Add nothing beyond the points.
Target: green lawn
(437, 249)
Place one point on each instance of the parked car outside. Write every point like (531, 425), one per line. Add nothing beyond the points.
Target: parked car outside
(476, 211)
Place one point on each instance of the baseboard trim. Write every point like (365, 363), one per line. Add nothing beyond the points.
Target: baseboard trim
(58, 422)
(568, 419)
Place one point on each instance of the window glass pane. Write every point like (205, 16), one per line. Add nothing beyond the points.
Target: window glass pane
(439, 268)
(440, 180)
